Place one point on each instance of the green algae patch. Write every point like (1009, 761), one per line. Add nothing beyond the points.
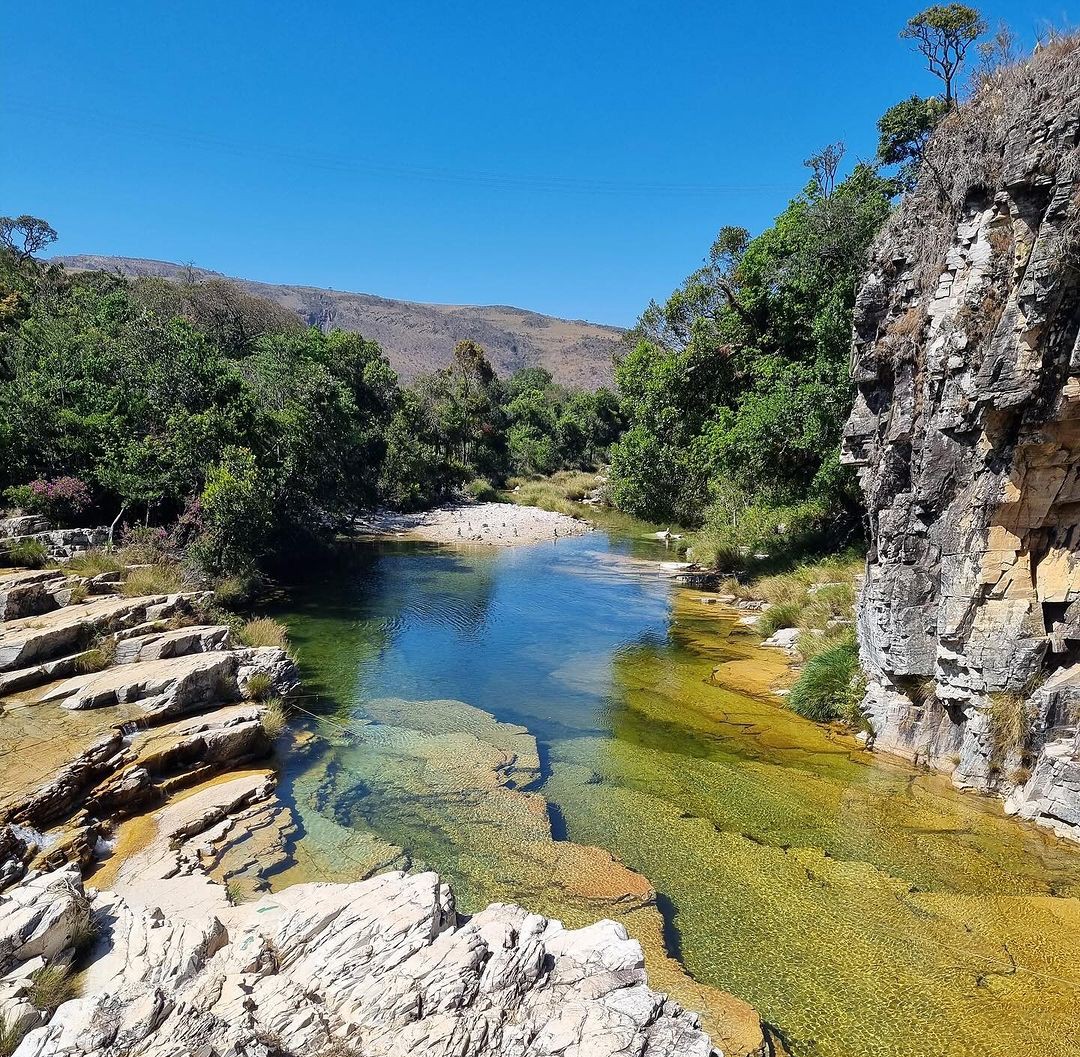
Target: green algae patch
(866, 908)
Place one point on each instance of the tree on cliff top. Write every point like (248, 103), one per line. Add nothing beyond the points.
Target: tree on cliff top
(943, 33)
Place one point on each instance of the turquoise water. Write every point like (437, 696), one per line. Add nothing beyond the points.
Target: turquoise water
(863, 907)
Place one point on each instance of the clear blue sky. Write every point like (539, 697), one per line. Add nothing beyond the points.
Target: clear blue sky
(575, 158)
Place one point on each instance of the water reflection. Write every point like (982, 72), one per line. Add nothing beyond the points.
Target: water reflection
(865, 907)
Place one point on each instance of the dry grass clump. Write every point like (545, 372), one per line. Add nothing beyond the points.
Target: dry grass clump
(559, 492)
(274, 718)
(153, 580)
(264, 631)
(94, 562)
(99, 657)
(1010, 725)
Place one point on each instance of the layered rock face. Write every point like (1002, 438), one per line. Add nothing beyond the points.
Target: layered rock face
(967, 430)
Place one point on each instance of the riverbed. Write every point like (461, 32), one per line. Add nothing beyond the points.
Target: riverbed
(465, 708)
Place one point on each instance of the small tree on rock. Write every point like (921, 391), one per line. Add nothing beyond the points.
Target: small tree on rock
(943, 33)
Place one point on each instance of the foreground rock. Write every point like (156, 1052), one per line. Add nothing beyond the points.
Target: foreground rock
(967, 429)
(382, 967)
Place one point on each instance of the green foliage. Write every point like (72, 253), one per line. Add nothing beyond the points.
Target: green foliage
(26, 553)
(903, 132)
(482, 491)
(741, 378)
(830, 685)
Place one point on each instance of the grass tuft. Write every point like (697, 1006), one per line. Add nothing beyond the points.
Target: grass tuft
(831, 685)
(274, 718)
(779, 615)
(99, 657)
(51, 987)
(1010, 726)
(27, 554)
(258, 686)
(264, 631)
(11, 1034)
(94, 563)
(153, 580)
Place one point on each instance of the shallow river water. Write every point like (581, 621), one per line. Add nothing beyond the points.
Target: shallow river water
(864, 908)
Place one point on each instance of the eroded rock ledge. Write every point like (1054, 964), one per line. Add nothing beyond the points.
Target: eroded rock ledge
(967, 430)
(381, 967)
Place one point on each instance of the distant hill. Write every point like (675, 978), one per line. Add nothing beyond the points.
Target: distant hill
(421, 337)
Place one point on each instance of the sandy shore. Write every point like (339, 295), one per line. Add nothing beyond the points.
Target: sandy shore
(479, 524)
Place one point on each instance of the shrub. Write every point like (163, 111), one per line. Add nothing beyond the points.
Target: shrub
(483, 491)
(51, 987)
(259, 684)
(274, 718)
(27, 553)
(61, 500)
(153, 580)
(146, 545)
(264, 631)
(235, 592)
(779, 615)
(94, 563)
(831, 685)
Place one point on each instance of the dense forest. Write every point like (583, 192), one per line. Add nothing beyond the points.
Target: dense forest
(213, 421)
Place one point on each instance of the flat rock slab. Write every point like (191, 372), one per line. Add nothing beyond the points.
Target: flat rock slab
(33, 639)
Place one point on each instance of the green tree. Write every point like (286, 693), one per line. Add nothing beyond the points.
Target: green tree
(903, 132)
(942, 34)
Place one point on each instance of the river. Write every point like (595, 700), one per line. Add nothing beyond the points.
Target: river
(866, 909)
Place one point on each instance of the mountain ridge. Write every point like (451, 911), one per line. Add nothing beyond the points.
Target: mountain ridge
(416, 336)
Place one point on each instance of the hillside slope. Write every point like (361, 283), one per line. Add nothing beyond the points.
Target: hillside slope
(420, 337)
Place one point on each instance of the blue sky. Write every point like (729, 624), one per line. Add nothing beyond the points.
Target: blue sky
(574, 158)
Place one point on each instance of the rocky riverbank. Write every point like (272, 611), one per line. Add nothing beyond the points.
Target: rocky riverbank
(140, 831)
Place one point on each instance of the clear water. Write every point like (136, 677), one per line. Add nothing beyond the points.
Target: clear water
(864, 908)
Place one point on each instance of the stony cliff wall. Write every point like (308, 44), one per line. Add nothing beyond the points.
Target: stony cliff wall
(967, 431)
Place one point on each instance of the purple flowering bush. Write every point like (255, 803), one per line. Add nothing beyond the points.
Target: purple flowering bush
(62, 500)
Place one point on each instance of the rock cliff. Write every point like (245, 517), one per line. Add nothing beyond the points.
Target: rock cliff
(967, 431)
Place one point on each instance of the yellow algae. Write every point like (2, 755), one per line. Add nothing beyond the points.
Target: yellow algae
(867, 909)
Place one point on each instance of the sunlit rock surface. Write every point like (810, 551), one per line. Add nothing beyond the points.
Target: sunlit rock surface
(967, 430)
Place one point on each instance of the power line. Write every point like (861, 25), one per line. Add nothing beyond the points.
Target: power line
(497, 181)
